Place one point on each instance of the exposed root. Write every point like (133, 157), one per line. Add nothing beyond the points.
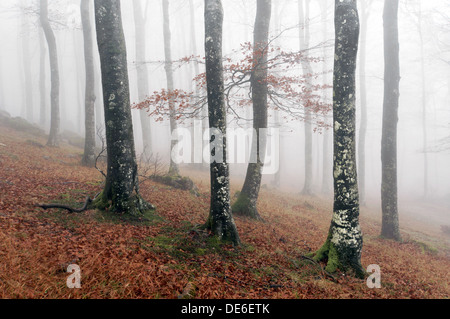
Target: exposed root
(325, 273)
(68, 208)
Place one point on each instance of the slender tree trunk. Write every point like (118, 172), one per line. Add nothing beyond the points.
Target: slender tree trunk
(326, 156)
(89, 103)
(142, 74)
(173, 168)
(424, 105)
(26, 60)
(389, 205)
(220, 220)
(53, 138)
(363, 95)
(121, 192)
(276, 114)
(245, 205)
(307, 71)
(42, 79)
(195, 72)
(99, 112)
(342, 248)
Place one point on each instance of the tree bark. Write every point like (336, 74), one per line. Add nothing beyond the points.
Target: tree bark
(245, 205)
(220, 220)
(142, 75)
(53, 138)
(342, 248)
(89, 103)
(121, 191)
(168, 65)
(389, 205)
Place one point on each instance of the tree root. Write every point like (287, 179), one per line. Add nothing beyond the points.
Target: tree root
(68, 208)
(325, 273)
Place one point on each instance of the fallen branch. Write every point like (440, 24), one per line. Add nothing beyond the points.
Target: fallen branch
(70, 209)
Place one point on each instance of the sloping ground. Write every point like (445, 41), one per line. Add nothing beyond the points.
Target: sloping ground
(166, 254)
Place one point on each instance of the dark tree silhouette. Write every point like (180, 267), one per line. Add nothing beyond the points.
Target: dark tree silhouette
(89, 103)
(54, 74)
(389, 204)
(246, 202)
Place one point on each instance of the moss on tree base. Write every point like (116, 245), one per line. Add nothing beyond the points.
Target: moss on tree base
(245, 208)
(222, 232)
(134, 206)
(338, 259)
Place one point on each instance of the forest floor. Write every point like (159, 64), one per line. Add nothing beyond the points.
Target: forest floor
(166, 254)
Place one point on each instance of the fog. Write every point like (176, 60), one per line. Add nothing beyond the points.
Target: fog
(238, 28)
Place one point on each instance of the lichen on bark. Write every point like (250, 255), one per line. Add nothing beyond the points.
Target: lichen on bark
(220, 221)
(121, 191)
(342, 248)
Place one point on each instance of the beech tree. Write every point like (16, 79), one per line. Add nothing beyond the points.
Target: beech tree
(389, 197)
(245, 205)
(173, 168)
(364, 14)
(304, 37)
(342, 248)
(26, 61)
(121, 190)
(220, 220)
(89, 103)
(54, 74)
(142, 73)
(326, 154)
(42, 77)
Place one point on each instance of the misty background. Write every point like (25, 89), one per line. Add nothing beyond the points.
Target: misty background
(19, 31)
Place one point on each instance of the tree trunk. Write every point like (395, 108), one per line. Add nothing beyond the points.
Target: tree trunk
(53, 138)
(173, 168)
(245, 205)
(42, 86)
(142, 75)
(220, 220)
(121, 192)
(307, 71)
(363, 93)
(326, 154)
(424, 105)
(342, 248)
(276, 114)
(389, 205)
(26, 60)
(89, 103)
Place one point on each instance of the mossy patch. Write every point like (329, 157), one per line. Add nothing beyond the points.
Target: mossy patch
(176, 181)
(244, 207)
(147, 218)
(187, 243)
